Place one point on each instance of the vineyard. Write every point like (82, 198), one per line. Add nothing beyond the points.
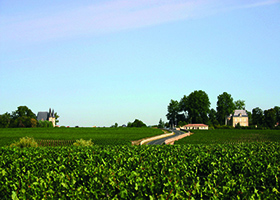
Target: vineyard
(99, 136)
(54, 143)
(225, 136)
(196, 171)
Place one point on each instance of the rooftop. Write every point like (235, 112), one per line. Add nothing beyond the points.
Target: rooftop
(196, 125)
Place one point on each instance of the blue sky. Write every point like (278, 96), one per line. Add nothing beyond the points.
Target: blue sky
(101, 62)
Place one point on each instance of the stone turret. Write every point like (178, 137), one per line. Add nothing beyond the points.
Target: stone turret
(52, 117)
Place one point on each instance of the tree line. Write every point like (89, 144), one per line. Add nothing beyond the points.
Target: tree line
(137, 123)
(195, 109)
(23, 117)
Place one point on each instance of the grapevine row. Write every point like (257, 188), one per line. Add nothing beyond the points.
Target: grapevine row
(220, 171)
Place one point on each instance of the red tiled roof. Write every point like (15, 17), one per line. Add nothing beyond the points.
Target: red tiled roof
(196, 125)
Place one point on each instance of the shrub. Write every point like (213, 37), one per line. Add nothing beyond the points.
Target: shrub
(45, 124)
(25, 142)
(238, 126)
(83, 143)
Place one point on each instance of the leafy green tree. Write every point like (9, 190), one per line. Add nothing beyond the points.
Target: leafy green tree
(198, 105)
(250, 120)
(138, 123)
(184, 104)
(116, 125)
(22, 117)
(239, 105)
(173, 109)
(277, 113)
(213, 117)
(23, 121)
(23, 111)
(270, 118)
(5, 120)
(181, 117)
(181, 123)
(257, 117)
(161, 124)
(225, 107)
(56, 118)
(129, 124)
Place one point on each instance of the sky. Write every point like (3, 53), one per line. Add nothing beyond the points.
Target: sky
(97, 63)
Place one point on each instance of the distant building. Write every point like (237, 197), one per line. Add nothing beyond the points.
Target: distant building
(195, 126)
(239, 116)
(46, 116)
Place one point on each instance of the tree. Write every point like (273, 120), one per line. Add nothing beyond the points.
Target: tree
(23, 111)
(197, 105)
(129, 124)
(270, 118)
(239, 105)
(138, 123)
(257, 117)
(116, 125)
(277, 113)
(22, 117)
(250, 121)
(161, 124)
(213, 117)
(181, 123)
(173, 109)
(183, 104)
(33, 122)
(225, 107)
(56, 118)
(5, 120)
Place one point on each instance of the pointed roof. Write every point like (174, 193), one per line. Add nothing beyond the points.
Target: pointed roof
(42, 116)
(238, 113)
(45, 115)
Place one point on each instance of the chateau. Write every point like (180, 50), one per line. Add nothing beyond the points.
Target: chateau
(46, 116)
(239, 116)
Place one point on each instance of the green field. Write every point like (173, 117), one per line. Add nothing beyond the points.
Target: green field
(107, 136)
(221, 136)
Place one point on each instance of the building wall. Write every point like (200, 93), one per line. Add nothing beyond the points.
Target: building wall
(52, 119)
(200, 127)
(243, 121)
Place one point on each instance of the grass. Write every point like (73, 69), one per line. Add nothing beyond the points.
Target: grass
(99, 136)
(220, 136)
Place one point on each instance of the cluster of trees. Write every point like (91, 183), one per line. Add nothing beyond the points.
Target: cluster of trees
(23, 117)
(268, 118)
(195, 108)
(136, 123)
